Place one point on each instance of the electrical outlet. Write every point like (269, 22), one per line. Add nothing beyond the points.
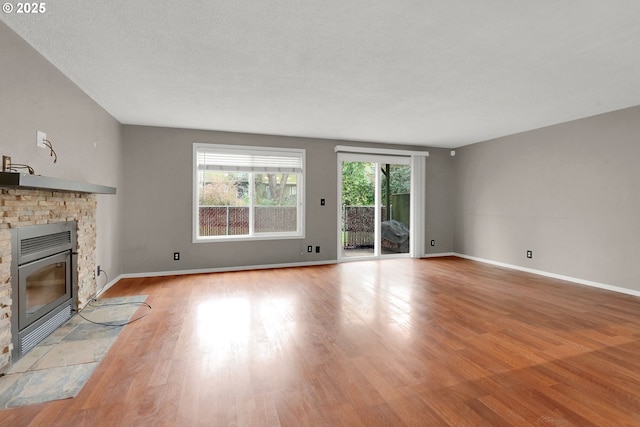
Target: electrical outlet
(6, 163)
(309, 248)
(323, 202)
(40, 137)
(433, 243)
(98, 270)
(317, 249)
(176, 256)
(529, 254)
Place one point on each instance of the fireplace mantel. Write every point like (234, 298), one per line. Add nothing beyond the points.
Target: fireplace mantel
(25, 180)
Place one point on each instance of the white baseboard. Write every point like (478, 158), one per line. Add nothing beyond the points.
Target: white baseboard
(436, 255)
(223, 269)
(441, 254)
(553, 275)
(106, 286)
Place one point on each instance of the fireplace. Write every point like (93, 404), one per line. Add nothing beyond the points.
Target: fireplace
(33, 200)
(44, 272)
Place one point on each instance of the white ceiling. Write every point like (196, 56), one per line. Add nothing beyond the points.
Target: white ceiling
(438, 73)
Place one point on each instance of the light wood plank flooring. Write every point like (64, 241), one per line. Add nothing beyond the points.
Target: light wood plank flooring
(438, 342)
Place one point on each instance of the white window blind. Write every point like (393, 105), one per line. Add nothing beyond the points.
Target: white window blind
(249, 159)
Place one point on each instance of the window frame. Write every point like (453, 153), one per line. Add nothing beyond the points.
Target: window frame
(252, 236)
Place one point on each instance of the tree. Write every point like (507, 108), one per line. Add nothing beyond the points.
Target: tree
(274, 189)
(400, 179)
(277, 189)
(357, 184)
(223, 189)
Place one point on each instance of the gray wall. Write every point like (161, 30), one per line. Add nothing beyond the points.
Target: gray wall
(36, 96)
(570, 193)
(158, 203)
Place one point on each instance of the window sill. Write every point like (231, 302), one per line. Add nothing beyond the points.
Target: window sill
(221, 239)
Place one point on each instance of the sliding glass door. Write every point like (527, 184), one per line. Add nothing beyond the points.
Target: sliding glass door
(395, 200)
(375, 208)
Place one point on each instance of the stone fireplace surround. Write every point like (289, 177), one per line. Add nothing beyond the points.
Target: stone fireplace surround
(23, 207)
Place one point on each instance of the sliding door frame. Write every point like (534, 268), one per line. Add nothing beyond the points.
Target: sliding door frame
(417, 161)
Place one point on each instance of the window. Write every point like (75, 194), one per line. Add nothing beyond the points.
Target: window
(245, 192)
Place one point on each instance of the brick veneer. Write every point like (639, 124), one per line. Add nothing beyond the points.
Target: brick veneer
(21, 207)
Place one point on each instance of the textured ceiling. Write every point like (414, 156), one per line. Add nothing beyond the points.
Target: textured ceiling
(437, 73)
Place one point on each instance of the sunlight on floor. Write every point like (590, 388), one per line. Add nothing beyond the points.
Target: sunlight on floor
(223, 323)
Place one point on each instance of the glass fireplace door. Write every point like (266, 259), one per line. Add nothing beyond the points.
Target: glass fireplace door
(44, 284)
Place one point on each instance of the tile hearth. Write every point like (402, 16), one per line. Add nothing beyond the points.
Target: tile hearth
(62, 363)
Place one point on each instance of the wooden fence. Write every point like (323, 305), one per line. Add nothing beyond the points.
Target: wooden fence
(358, 226)
(234, 220)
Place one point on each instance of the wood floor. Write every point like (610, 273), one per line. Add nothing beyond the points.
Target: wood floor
(402, 342)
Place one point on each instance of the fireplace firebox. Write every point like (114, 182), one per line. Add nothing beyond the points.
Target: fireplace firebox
(43, 276)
